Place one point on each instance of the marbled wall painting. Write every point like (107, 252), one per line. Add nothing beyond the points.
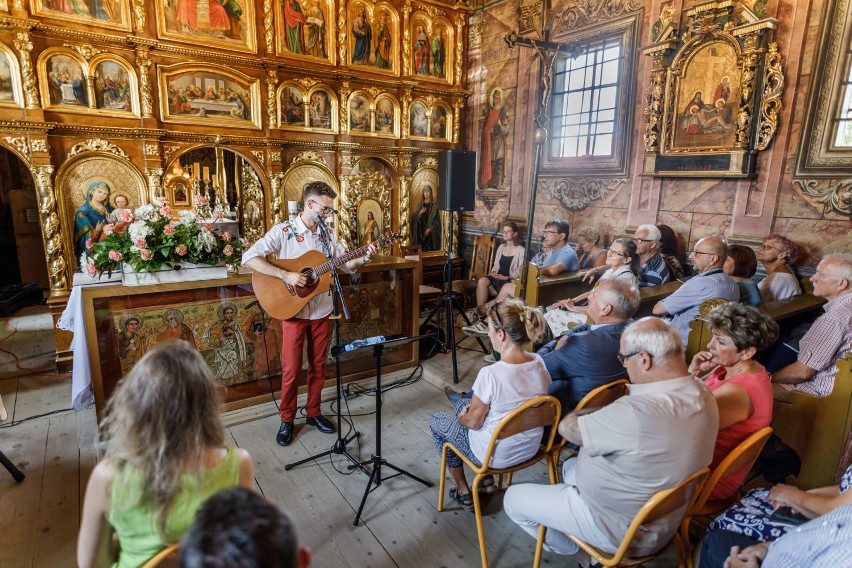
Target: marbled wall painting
(228, 24)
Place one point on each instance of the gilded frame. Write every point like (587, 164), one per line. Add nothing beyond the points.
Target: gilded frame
(359, 187)
(327, 7)
(426, 174)
(249, 85)
(307, 167)
(316, 120)
(169, 26)
(738, 124)
(373, 12)
(94, 63)
(14, 79)
(176, 184)
(382, 127)
(286, 110)
(432, 27)
(122, 20)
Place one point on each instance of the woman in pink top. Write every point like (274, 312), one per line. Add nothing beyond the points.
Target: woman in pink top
(740, 384)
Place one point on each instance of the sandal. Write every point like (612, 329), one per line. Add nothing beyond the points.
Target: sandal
(487, 486)
(454, 396)
(466, 500)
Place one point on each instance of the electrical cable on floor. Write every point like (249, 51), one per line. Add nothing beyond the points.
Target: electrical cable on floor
(28, 418)
(18, 359)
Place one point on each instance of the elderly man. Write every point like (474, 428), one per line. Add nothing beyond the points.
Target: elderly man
(707, 257)
(777, 254)
(560, 258)
(654, 438)
(585, 357)
(653, 270)
(830, 336)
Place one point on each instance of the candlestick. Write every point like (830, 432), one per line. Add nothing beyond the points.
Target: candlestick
(206, 173)
(196, 169)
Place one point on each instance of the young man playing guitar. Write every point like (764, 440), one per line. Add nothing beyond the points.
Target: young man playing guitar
(289, 240)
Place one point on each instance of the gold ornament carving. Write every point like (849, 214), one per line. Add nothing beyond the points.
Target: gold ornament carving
(341, 34)
(309, 156)
(356, 188)
(474, 35)
(252, 190)
(155, 187)
(406, 102)
(587, 12)
(22, 145)
(97, 145)
(428, 162)
(374, 91)
(275, 156)
(84, 49)
(577, 194)
(770, 105)
(139, 13)
(528, 17)
(349, 160)
(406, 39)
(404, 203)
(54, 249)
(405, 163)
(748, 86)
(24, 46)
(459, 61)
(307, 82)
(143, 61)
(343, 93)
(39, 145)
(168, 151)
(259, 155)
(276, 188)
(271, 99)
(653, 111)
(268, 22)
(836, 197)
(458, 104)
(152, 150)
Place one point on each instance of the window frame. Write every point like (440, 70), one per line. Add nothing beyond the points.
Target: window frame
(626, 30)
(818, 156)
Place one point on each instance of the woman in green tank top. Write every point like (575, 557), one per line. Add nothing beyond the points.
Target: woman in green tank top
(165, 455)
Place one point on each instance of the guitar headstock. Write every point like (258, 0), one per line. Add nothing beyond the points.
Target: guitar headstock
(388, 238)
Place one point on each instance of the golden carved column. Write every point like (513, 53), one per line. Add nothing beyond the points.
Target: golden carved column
(459, 59)
(343, 93)
(24, 46)
(406, 102)
(748, 85)
(406, 40)
(143, 61)
(458, 104)
(155, 188)
(271, 83)
(51, 231)
(276, 188)
(654, 100)
(341, 34)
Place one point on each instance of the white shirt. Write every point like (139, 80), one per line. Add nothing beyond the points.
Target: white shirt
(291, 240)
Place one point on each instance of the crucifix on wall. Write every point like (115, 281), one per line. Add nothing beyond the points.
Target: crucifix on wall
(537, 18)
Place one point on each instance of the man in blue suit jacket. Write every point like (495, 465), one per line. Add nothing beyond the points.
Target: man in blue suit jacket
(584, 358)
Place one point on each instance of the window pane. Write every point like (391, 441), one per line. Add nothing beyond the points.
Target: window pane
(603, 145)
(844, 126)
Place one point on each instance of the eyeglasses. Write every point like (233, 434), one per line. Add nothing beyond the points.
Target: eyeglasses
(766, 246)
(638, 240)
(548, 232)
(325, 210)
(623, 358)
(610, 251)
(497, 314)
(699, 252)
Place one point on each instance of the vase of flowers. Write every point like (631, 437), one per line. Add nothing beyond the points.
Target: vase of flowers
(148, 247)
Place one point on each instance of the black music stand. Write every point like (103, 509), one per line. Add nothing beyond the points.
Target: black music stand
(376, 459)
(17, 474)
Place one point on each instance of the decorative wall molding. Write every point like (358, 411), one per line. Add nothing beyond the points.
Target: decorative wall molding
(309, 156)
(584, 13)
(87, 50)
(836, 197)
(39, 145)
(98, 145)
(168, 151)
(577, 194)
(152, 150)
(22, 145)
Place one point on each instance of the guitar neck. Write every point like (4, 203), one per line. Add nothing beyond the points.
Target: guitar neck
(335, 262)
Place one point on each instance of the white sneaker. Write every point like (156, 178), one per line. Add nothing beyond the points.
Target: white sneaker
(490, 358)
(479, 329)
(473, 315)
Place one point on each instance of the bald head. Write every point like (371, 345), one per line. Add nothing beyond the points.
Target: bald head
(657, 351)
(709, 253)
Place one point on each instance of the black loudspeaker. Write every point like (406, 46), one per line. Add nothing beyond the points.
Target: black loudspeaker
(456, 180)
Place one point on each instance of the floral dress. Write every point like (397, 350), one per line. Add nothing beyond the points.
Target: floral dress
(749, 516)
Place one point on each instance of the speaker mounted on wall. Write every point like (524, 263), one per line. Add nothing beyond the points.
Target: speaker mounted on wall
(456, 180)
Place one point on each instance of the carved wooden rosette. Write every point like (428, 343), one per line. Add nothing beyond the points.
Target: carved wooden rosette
(770, 106)
(24, 46)
(353, 190)
(143, 61)
(51, 230)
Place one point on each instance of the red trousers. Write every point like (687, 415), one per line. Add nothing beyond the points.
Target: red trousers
(293, 334)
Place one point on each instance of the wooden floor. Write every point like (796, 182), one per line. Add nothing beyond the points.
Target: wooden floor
(401, 526)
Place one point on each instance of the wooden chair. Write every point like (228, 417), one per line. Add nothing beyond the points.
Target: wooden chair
(699, 331)
(597, 398)
(166, 558)
(413, 252)
(480, 265)
(741, 457)
(540, 411)
(660, 504)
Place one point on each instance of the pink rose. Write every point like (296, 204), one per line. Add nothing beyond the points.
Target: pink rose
(181, 250)
(169, 229)
(207, 226)
(165, 211)
(91, 269)
(226, 236)
(161, 201)
(88, 243)
(219, 214)
(199, 199)
(228, 250)
(114, 255)
(127, 215)
(140, 243)
(146, 254)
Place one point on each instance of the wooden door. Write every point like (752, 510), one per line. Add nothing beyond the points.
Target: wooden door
(28, 238)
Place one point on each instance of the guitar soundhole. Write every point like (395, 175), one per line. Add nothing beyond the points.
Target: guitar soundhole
(311, 284)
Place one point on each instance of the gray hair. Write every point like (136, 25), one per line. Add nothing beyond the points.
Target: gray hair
(745, 325)
(653, 232)
(655, 336)
(843, 268)
(622, 296)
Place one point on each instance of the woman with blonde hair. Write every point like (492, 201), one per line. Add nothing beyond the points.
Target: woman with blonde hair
(499, 389)
(589, 250)
(165, 455)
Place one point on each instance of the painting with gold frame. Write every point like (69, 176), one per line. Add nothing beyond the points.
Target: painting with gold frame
(112, 14)
(431, 49)
(425, 219)
(386, 123)
(360, 113)
(374, 37)
(440, 122)
(306, 30)
(179, 192)
(229, 24)
(322, 109)
(115, 86)
(292, 106)
(62, 76)
(418, 120)
(715, 96)
(10, 79)
(201, 95)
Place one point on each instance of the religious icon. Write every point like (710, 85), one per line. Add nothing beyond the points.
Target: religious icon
(292, 106)
(495, 134)
(385, 115)
(226, 338)
(320, 109)
(363, 34)
(438, 53)
(223, 23)
(359, 114)
(109, 13)
(418, 120)
(439, 122)
(315, 30)
(421, 52)
(383, 44)
(369, 221)
(91, 217)
(132, 341)
(426, 221)
(113, 89)
(66, 82)
(7, 91)
(201, 95)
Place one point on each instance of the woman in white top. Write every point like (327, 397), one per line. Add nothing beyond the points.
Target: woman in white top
(499, 388)
(506, 268)
(777, 254)
(622, 261)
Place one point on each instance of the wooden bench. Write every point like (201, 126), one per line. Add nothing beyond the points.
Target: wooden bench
(817, 427)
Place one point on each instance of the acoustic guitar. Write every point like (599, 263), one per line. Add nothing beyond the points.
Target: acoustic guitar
(283, 301)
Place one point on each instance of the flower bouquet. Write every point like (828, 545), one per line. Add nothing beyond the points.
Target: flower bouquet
(148, 240)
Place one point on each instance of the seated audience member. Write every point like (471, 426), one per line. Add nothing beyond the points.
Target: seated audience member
(506, 269)
(708, 256)
(238, 527)
(165, 455)
(830, 336)
(669, 250)
(623, 263)
(653, 270)
(653, 438)
(589, 249)
(586, 357)
(559, 258)
(778, 254)
(741, 265)
(740, 384)
(749, 520)
(499, 388)
(824, 542)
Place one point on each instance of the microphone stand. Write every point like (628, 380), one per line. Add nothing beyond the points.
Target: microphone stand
(336, 290)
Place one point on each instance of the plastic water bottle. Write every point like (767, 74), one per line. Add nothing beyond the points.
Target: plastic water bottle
(364, 342)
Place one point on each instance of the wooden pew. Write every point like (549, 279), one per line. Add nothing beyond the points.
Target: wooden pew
(817, 427)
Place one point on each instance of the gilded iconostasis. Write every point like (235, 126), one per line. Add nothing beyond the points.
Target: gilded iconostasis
(237, 102)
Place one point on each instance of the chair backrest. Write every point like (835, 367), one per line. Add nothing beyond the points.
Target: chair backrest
(483, 253)
(744, 455)
(661, 504)
(410, 250)
(166, 558)
(540, 411)
(604, 395)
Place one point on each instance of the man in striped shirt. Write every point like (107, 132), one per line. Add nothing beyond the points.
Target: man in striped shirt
(653, 270)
